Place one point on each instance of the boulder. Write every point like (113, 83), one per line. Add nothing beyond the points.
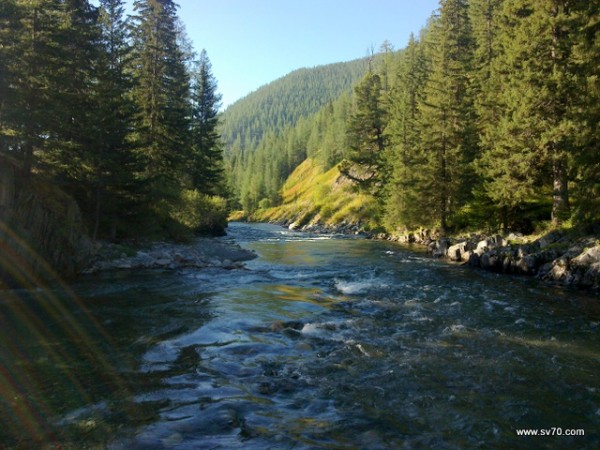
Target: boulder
(456, 251)
(474, 260)
(550, 238)
(588, 258)
(441, 247)
(490, 261)
(483, 246)
(528, 265)
(592, 276)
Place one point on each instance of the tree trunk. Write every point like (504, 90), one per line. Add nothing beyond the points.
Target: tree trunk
(27, 159)
(560, 193)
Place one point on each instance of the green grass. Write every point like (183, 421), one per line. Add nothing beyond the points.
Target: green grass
(312, 195)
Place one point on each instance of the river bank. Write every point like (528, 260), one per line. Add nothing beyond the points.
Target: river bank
(203, 252)
(558, 257)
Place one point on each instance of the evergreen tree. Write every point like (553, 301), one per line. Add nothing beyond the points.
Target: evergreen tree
(8, 25)
(161, 95)
(486, 87)
(586, 54)
(32, 65)
(447, 134)
(365, 134)
(114, 162)
(404, 206)
(533, 141)
(206, 161)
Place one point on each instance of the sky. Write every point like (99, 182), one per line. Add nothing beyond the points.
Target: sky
(253, 42)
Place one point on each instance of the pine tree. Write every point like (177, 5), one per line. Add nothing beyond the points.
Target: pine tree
(114, 162)
(403, 206)
(486, 89)
(366, 135)
(34, 62)
(9, 15)
(533, 141)
(446, 112)
(161, 95)
(586, 54)
(206, 161)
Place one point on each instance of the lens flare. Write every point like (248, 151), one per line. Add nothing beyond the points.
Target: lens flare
(49, 346)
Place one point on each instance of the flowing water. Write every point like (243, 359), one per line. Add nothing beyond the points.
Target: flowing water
(321, 342)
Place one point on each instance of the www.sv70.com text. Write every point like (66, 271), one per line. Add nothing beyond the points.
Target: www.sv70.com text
(553, 431)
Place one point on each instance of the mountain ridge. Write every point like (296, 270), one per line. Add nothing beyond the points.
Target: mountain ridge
(283, 102)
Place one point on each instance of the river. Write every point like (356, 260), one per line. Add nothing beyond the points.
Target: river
(321, 342)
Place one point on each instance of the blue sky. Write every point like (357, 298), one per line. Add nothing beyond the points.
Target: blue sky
(253, 42)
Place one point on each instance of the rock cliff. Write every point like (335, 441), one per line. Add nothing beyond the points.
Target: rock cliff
(42, 236)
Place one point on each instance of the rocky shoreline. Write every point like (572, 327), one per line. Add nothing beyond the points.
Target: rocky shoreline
(202, 253)
(557, 257)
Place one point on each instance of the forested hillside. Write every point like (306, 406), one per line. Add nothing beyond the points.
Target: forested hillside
(280, 104)
(487, 119)
(118, 111)
(260, 126)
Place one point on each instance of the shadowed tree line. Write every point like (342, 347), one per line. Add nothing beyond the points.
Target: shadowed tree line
(119, 111)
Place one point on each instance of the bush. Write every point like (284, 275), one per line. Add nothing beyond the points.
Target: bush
(265, 203)
(200, 213)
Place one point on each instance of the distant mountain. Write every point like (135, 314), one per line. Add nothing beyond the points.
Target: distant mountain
(284, 101)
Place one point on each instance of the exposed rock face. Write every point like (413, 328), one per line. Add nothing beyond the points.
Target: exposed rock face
(41, 231)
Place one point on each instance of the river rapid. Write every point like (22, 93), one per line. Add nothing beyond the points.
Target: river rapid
(321, 342)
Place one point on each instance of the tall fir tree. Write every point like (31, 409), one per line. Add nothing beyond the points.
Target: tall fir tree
(366, 135)
(586, 161)
(34, 60)
(403, 204)
(206, 161)
(8, 26)
(114, 163)
(486, 88)
(74, 121)
(161, 95)
(532, 144)
(446, 114)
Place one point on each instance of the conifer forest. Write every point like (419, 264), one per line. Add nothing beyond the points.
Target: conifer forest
(487, 118)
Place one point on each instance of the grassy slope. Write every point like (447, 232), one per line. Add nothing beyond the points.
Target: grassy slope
(312, 195)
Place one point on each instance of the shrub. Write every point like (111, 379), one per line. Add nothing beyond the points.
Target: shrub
(265, 203)
(200, 213)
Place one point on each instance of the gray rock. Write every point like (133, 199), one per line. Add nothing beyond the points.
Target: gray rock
(528, 265)
(514, 236)
(588, 258)
(490, 261)
(441, 247)
(550, 238)
(456, 251)
(482, 246)
(474, 260)
(592, 276)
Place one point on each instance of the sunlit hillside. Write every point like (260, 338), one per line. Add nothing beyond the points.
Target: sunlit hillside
(314, 196)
